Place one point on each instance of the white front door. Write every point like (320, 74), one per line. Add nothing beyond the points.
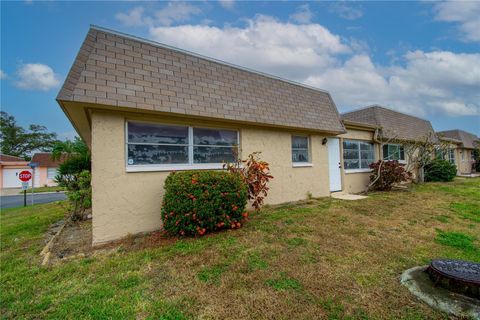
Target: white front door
(334, 164)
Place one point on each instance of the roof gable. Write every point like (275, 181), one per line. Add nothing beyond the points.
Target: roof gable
(468, 140)
(44, 159)
(119, 70)
(8, 158)
(393, 124)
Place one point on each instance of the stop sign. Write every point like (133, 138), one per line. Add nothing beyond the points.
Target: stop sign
(25, 176)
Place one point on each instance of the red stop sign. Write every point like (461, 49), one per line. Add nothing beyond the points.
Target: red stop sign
(25, 176)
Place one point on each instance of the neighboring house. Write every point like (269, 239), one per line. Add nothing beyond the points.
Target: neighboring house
(394, 131)
(146, 109)
(45, 169)
(10, 167)
(463, 145)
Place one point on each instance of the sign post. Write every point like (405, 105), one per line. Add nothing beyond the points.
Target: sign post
(25, 176)
(33, 165)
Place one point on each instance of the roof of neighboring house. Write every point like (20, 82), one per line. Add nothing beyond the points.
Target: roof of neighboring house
(44, 159)
(394, 125)
(7, 158)
(123, 71)
(468, 140)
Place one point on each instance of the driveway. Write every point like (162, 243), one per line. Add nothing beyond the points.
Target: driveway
(17, 200)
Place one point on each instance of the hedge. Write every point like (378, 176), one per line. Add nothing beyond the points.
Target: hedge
(197, 202)
(440, 170)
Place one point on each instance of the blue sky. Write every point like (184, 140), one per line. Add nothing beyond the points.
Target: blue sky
(421, 58)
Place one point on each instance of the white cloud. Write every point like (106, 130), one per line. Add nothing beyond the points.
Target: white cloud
(227, 4)
(303, 14)
(3, 75)
(175, 12)
(465, 13)
(36, 76)
(171, 13)
(133, 18)
(422, 83)
(265, 44)
(428, 83)
(346, 11)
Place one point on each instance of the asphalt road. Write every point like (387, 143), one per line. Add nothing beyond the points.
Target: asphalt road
(17, 201)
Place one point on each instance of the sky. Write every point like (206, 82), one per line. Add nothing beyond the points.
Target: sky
(422, 58)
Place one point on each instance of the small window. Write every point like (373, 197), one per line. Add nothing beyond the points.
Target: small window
(171, 146)
(300, 149)
(51, 173)
(463, 155)
(393, 152)
(357, 154)
(451, 155)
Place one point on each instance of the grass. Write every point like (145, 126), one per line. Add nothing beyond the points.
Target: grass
(46, 189)
(323, 258)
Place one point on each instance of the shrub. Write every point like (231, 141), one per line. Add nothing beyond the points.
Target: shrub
(80, 195)
(197, 202)
(255, 174)
(387, 173)
(440, 170)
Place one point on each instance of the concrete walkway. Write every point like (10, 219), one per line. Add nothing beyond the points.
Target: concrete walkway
(347, 196)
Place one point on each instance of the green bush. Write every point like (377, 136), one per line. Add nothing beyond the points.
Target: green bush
(197, 202)
(440, 170)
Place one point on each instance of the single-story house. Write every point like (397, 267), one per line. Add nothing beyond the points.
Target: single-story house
(462, 151)
(10, 167)
(146, 109)
(394, 130)
(45, 169)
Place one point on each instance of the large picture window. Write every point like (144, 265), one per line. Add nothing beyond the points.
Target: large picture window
(176, 147)
(300, 149)
(393, 152)
(357, 155)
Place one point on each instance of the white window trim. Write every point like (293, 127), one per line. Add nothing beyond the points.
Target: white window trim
(359, 170)
(175, 166)
(302, 164)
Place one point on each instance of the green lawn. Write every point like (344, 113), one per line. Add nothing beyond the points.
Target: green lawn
(323, 258)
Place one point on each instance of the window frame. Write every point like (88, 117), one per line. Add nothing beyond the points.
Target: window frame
(400, 147)
(191, 165)
(450, 153)
(358, 142)
(308, 163)
(56, 172)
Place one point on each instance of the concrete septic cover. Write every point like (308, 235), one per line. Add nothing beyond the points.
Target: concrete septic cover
(419, 283)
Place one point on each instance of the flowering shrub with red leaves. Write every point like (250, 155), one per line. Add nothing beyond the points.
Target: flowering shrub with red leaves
(256, 175)
(390, 172)
(198, 202)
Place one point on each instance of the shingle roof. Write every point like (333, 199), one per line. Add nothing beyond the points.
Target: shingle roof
(115, 69)
(44, 159)
(394, 124)
(468, 140)
(7, 158)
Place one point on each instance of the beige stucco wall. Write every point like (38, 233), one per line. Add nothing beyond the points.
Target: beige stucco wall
(130, 202)
(356, 182)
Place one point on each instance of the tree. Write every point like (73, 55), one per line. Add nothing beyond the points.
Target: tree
(422, 152)
(76, 159)
(20, 142)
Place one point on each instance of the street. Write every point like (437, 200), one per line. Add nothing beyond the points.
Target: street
(17, 201)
